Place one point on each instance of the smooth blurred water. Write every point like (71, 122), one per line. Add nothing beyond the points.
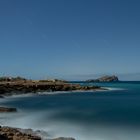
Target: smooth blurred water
(101, 115)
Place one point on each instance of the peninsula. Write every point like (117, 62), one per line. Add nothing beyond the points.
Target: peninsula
(19, 85)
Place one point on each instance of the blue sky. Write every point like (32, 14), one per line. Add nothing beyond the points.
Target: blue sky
(70, 39)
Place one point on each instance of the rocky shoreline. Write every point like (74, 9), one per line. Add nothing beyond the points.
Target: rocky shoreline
(24, 86)
(9, 133)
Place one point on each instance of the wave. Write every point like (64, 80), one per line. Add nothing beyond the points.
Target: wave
(114, 89)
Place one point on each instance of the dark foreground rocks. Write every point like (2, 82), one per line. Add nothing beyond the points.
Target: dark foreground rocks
(7, 109)
(8, 133)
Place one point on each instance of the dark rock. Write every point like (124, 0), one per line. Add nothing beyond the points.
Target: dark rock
(2, 137)
(6, 109)
(8, 133)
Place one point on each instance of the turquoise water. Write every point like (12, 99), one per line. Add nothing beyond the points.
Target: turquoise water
(101, 115)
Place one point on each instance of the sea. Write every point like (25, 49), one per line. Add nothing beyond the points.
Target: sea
(112, 114)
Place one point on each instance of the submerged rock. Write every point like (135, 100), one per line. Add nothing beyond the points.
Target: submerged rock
(6, 109)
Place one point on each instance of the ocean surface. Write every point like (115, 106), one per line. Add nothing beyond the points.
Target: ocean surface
(96, 115)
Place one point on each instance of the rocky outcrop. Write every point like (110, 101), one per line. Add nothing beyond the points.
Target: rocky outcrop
(105, 79)
(8, 133)
(31, 86)
(6, 109)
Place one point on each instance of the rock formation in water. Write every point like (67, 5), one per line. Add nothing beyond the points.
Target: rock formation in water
(7, 109)
(105, 79)
(8, 133)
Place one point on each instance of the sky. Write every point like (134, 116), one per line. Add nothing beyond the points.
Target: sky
(70, 39)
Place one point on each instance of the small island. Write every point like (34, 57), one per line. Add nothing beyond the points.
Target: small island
(105, 79)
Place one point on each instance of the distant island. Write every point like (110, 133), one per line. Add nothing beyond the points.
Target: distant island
(105, 79)
(19, 85)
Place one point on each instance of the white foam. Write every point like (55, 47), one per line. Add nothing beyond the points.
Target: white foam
(114, 89)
